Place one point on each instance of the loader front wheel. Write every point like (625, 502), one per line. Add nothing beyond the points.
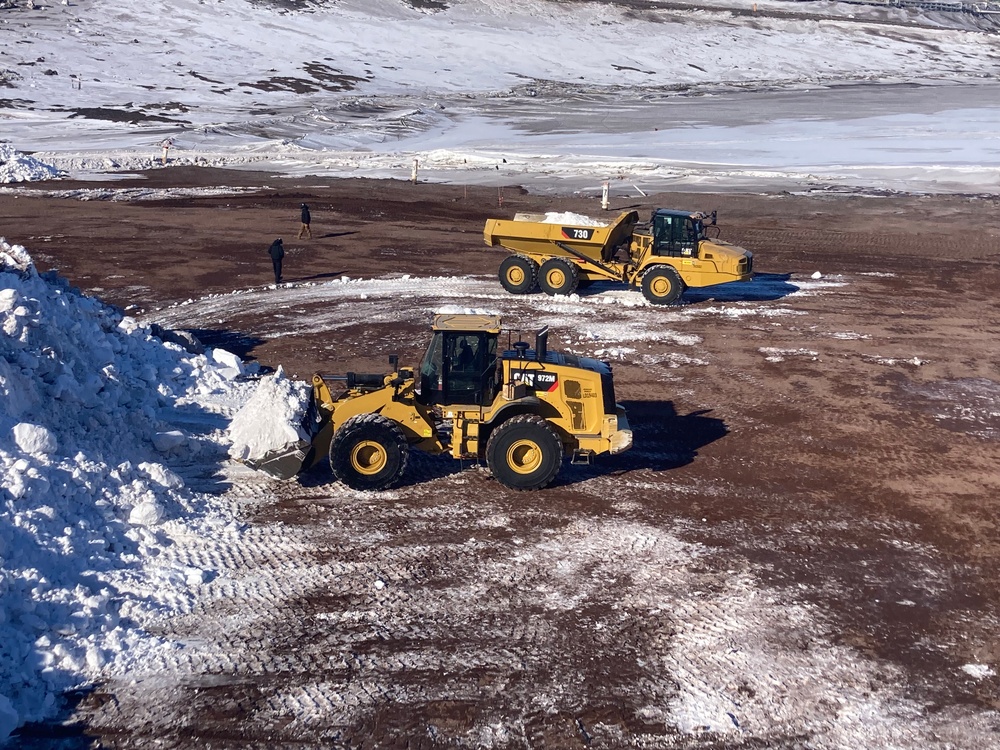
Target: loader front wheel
(558, 276)
(662, 285)
(518, 275)
(524, 453)
(369, 452)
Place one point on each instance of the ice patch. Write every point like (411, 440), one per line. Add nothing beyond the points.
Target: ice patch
(978, 671)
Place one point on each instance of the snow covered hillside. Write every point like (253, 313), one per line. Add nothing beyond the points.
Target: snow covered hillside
(735, 94)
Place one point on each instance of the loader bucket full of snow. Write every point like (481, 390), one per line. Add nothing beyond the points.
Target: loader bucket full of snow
(273, 433)
(282, 463)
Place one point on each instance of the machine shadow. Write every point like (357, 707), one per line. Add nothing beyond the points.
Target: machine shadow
(316, 276)
(237, 342)
(764, 287)
(61, 732)
(662, 440)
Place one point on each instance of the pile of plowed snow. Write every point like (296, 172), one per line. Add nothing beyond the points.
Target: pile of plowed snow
(100, 423)
(18, 167)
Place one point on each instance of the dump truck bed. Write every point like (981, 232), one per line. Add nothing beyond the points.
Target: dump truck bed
(522, 235)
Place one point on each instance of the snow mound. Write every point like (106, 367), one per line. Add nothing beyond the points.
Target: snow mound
(89, 401)
(271, 417)
(18, 167)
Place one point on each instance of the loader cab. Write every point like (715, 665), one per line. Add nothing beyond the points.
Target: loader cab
(460, 364)
(676, 233)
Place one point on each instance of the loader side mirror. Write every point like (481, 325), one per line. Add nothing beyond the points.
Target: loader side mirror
(714, 216)
(394, 362)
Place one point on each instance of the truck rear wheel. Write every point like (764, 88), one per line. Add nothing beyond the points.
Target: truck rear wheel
(662, 285)
(369, 452)
(558, 276)
(524, 453)
(518, 275)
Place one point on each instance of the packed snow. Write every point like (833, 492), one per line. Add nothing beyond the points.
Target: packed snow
(100, 422)
(568, 217)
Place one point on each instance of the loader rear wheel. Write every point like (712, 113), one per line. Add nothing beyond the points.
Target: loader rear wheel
(558, 276)
(518, 275)
(662, 285)
(369, 452)
(524, 453)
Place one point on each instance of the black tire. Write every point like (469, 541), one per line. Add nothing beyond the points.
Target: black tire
(369, 452)
(662, 285)
(518, 275)
(558, 276)
(524, 453)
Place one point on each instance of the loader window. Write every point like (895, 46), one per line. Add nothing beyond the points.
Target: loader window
(465, 354)
(459, 368)
(432, 371)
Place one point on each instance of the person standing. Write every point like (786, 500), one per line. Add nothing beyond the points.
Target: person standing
(304, 229)
(165, 145)
(277, 252)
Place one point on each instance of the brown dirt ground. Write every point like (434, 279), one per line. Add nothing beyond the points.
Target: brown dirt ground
(859, 436)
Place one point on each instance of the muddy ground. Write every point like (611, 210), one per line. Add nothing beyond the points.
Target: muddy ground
(837, 462)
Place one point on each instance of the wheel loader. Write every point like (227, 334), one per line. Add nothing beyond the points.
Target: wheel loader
(521, 410)
(664, 256)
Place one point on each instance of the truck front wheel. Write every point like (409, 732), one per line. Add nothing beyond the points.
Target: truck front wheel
(662, 285)
(369, 452)
(518, 275)
(558, 276)
(524, 453)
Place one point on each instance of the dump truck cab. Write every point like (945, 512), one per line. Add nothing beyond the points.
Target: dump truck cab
(674, 251)
(676, 233)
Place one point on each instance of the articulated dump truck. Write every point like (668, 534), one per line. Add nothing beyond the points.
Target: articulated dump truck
(664, 256)
(522, 409)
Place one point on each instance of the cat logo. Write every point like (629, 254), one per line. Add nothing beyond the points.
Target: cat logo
(540, 381)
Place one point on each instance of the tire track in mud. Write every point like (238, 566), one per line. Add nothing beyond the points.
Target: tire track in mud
(415, 616)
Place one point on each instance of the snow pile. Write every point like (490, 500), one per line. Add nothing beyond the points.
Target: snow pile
(86, 402)
(18, 167)
(271, 417)
(572, 219)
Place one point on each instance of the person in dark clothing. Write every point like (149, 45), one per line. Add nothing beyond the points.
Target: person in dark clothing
(277, 252)
(304, 229)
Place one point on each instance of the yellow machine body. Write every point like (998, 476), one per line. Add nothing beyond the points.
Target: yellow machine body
(522, 410)
(559, 257)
